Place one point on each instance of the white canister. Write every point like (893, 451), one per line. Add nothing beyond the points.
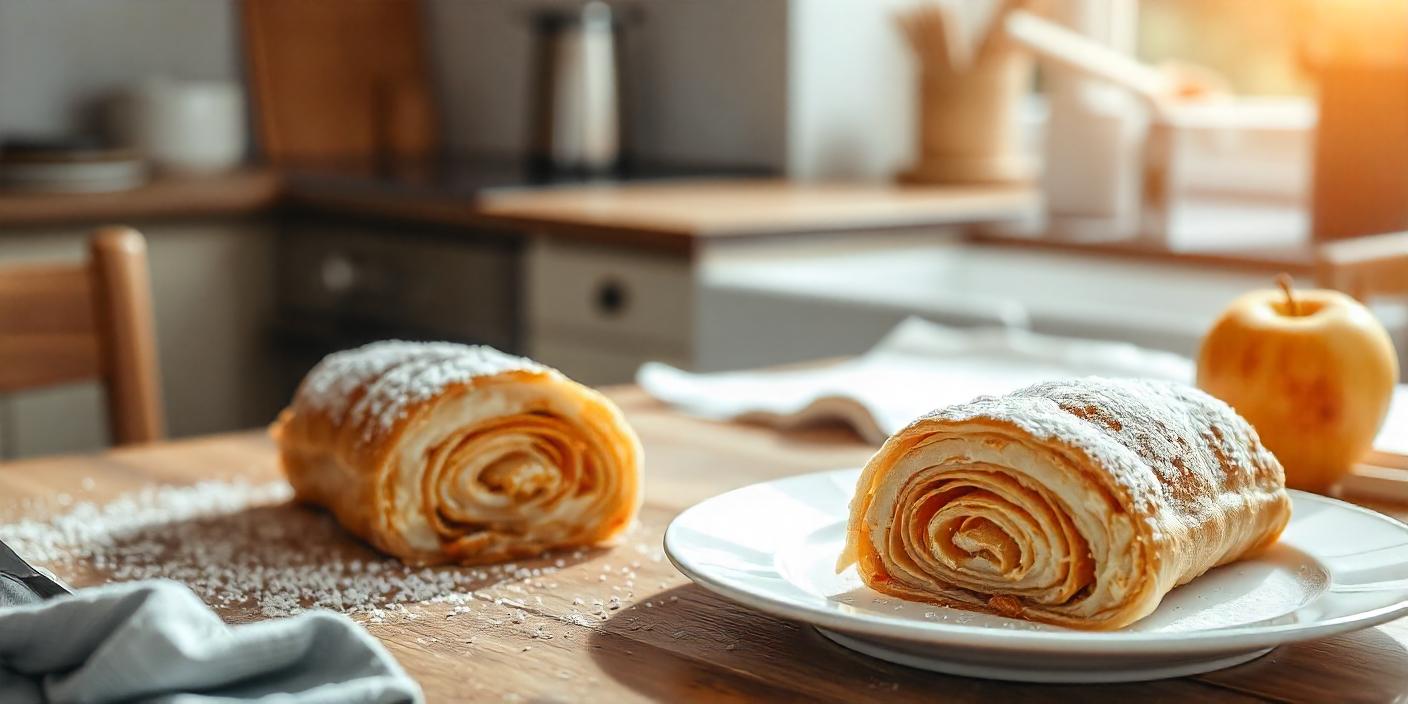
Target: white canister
(185, 126)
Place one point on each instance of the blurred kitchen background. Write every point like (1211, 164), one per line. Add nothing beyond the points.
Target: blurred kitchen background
(715, 184)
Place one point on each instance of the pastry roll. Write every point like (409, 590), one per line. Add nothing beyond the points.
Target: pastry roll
(438, 452)
(1079, 503)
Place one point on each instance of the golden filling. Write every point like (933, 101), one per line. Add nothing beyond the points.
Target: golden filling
(507, 475)
(978, 528)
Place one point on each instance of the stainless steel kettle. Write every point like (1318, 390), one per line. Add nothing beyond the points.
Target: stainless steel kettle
(576, 101)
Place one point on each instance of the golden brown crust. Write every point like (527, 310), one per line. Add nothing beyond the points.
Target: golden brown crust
(1079, 503)
(449, 453)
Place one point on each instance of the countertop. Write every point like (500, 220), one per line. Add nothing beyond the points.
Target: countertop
(245, 191)
(670, 640)
(715, 209)
(662, 208)
(672, 212)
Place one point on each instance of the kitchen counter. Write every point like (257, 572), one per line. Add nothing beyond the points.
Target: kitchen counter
(682, 214)
(670, 640)
(656, 207)
(246, 191)
(675, 213)
(1292, 259)
(661, 208)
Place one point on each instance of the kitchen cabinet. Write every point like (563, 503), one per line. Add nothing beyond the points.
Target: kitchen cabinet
(599, 311)
(615, 276)
(213, 283)
(607, 275)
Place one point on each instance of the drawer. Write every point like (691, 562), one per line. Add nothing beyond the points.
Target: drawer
(613, 296)
(596, 365)
(403, 281)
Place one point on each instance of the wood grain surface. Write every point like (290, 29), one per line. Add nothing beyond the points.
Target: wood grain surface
(670, 640)
(735, 207)
(342, 79)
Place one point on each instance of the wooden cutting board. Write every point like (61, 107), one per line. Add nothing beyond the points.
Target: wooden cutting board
(339, 80)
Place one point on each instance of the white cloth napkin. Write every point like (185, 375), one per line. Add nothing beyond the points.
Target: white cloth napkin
(920, 366)
(917, 367)
(158, 642)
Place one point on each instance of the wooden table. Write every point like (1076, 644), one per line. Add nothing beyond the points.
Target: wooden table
(688, 644)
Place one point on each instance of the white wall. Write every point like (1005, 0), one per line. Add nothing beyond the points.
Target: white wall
(707, 78)
(56, 56)
(820, 88)
(852, 90)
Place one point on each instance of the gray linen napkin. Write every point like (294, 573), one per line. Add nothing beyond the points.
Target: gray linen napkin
(14, 593)
(156, 641)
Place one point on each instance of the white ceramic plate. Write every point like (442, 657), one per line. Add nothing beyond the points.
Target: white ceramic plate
(773, 547)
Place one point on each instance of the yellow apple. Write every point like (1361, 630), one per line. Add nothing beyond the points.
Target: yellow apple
(1313, 371)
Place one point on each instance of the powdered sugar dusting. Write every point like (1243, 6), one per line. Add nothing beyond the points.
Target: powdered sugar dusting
(88, 530)
(424, 378)
(397, 375)
(1151, 437)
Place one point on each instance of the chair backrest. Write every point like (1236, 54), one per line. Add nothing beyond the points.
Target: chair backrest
(1365, 267)
(62, 324)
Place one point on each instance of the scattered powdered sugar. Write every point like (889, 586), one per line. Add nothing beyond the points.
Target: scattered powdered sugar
(242, 545)
(245, 549)
(88, 531)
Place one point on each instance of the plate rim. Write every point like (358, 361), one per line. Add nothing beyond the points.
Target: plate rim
(1235, 638)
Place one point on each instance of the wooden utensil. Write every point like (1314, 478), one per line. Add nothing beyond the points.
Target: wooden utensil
(935, 36)
(1071, 50)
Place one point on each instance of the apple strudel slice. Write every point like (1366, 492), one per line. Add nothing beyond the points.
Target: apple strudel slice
(439, 452)
(1079, 503)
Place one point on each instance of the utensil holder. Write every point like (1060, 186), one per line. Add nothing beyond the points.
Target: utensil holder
(968, 124)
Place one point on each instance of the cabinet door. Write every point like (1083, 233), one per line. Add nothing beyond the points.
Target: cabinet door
(388, 281)
(617, 297)
(598, 312)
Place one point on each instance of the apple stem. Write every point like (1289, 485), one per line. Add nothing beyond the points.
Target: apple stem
(1284, 281)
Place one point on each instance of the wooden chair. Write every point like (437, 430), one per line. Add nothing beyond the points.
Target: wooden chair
(1365, 267)
(67, 323)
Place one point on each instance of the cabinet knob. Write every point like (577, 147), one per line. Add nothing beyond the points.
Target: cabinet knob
(611, 297)
(338, 273)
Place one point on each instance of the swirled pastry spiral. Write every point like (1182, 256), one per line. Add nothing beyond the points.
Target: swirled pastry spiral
(1079, 503)
(439, 452)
